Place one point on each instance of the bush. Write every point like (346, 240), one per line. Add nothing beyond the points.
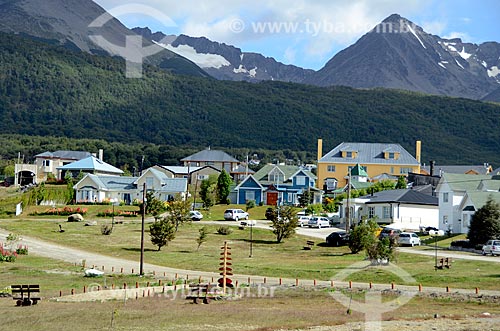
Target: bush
(462, 243)
(224, 230)
(6, 255)
(22, 250)
(106, 229)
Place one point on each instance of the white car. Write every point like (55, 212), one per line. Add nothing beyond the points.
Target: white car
(492, 247)
(195, 215)
(303, 220)
(235, 215)
(408, 238)
(319, 222)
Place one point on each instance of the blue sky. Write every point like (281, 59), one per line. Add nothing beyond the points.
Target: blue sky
(305, 33)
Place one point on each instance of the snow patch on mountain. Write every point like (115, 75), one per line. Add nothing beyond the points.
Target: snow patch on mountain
(203, 60)
(415, 34)
(242, 70)
(442, 63)
(493, 71)
(459, 64)
(463, 54)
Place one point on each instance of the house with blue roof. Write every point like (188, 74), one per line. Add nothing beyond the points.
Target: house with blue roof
(163, 187)
(90, 165)
(94, 188)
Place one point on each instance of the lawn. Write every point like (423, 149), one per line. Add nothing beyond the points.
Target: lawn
(287, 260)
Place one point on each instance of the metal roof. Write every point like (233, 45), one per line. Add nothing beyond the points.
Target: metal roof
(369, 153)
(210, 155)
(401, 196)
(91, 163)
(66, 155)
(458, 169)
(462, 182)
(112, 183)
(177, 185)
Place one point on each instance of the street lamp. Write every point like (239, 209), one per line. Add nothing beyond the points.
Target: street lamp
(141, 267)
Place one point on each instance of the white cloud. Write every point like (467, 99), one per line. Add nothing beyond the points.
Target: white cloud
(332, 24)
(462, 35)
(434, 27)
(290, 54)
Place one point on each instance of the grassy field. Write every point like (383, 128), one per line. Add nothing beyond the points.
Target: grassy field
(287, 259)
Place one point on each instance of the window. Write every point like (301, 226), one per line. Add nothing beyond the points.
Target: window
(371, 212)
(202, 177)
(46, 163)
(392, 170)
(330, 168)
(300, 180)
(249, 195)
(348, 154)
(404, 171)
(392, 156)
(445, 197)
(386, 212)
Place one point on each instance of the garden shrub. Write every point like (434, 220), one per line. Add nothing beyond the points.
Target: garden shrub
(224, 230)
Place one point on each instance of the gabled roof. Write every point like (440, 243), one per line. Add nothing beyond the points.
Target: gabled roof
(459, 169)
(384, 176)
(358, 170)
(461, 182)
(479, 199)
(210, 155)
(287, 171)
(406, 196)
(174, 185)
(180, 169)
(306, 172)
(248, 178)
(65, 155)
(242, 169)
(111, 183)
(369, 153)
(91, 163)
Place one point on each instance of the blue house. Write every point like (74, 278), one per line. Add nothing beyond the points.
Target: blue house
(248, 189)
(277, 184)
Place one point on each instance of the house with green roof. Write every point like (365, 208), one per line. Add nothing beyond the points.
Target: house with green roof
(460, 195)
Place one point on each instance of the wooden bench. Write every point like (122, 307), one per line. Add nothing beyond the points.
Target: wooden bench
(205, 292)
(24, 294)
(309, 246)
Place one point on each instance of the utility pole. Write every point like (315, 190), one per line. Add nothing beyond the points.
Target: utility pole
(141, 268)
(348, 211)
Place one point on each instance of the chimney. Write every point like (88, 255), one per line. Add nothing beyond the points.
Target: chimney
(320, 149)
(432, 167)
(101, 154)
(418, 150)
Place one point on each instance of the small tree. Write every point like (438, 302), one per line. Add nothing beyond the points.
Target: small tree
(250, 204)
(178, 212)
(68, 178)
(202, 236)
(401, 184)
(305, 198)
(485, 223)
(162, 231)
(362, 236)
(224, 182)
(208, 191)
(154, 206)
(283, 221)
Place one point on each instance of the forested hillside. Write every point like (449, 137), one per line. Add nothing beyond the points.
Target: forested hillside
(50, 91)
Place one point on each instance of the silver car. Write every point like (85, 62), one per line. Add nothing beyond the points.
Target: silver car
(319, 222)
(235, 215)
(492, 247)
(408, 238)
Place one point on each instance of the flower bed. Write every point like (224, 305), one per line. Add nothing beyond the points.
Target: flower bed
(122, 213)
(6, 255)
(66, 211)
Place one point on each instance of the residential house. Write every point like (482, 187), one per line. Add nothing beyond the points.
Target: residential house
(194, 174)
(215, 158)
(280, 184)
(403, 208)
(164, 187)
(248, 189)
(101, 188)
(91, 165)
(46, 165)
(375, 158)
(460, 195)
(95, 188)
(438, 170)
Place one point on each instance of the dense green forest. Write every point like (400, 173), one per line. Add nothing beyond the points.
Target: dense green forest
(48, 91)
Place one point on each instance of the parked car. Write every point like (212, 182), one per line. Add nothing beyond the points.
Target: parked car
(319, 222)
(303, 220)
(492, 247)
(235, 215)
(195, 215)
(389, 232)
(339, 238)
(408, 238)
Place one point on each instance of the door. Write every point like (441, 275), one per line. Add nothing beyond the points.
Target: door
(272, 198)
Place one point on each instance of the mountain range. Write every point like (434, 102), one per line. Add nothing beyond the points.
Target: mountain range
(396, 53)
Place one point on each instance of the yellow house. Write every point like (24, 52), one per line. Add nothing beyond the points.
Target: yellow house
(375, 158)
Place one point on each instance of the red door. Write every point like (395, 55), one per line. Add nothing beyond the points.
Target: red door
(272, 198)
